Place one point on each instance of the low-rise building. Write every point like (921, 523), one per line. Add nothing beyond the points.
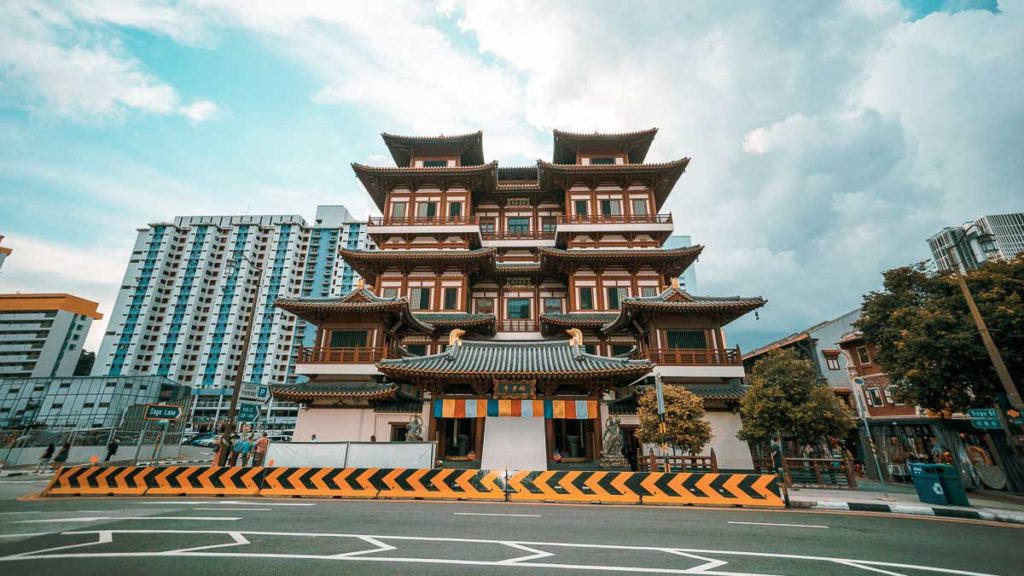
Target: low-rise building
(41, 335)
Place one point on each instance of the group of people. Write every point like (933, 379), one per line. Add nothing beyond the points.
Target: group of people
(55, 461)
(243, 450)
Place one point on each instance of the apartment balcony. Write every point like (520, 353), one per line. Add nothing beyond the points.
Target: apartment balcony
(351, 360)
(698, 362)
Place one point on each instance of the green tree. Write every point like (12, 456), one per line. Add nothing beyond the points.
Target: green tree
(687, 430)
(928, 343)
(786, 398)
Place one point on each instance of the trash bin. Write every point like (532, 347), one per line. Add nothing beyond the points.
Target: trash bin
(952, 485)
(928, 482)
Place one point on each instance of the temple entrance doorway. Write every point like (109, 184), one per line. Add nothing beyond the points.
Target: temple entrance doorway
(574, 439)
(514, 443)
(458, 437)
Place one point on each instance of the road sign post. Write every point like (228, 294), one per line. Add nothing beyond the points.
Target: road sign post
(985, 418)
(248, 412)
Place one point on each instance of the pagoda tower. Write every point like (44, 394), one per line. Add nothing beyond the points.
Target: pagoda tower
(514, 308)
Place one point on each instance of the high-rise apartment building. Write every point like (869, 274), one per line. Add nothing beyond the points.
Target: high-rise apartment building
(41, 335)
(4, 252)
(182, 308)
(1006, 230)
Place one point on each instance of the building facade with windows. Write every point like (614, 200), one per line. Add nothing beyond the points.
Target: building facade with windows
(511, 310)
(41, 335)
(182, 309)
(1007, 234)
(78, 402)
(5, 251)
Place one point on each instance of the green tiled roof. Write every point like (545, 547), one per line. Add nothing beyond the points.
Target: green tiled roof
(513, 360)
(313, 391)
(358, 300)
(454, 318)
(677, 301)
(579, 318)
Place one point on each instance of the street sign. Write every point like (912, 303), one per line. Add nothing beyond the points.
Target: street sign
(254, 392)
(984, 418)
(248, 412)
(161, 412)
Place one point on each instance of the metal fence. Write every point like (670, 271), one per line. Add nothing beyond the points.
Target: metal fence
(25, 447)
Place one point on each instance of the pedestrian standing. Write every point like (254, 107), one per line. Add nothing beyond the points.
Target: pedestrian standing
(111, 449)
(246, 450)
(236, 449)
(62, 456)
(260, 450)
(46, 457)
(313, 438)
(224, 450)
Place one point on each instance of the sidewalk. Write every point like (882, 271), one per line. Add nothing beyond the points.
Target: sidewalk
(903, 499)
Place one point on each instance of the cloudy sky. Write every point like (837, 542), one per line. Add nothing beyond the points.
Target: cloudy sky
(829, 139)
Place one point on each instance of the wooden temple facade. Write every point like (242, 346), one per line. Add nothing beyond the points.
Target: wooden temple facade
(514, 308)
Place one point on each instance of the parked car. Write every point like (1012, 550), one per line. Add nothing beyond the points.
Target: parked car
(208, 442)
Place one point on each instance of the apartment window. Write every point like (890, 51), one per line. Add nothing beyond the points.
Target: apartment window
(390, 293)
(88, 405)
(399, 209)
(485, 305)
(348, 338)
(611, 207)
(426, 210)
(552, 305)
(639, 206)
(435, 163)
(451, 298)
(888, 395)
(648, 291)
(862, 355)
(602, 161)
(615, 296)
(832, 360)
(517, 308)
(518, 225)
(586, 298)
(580, 207)
(687, 339)
(419, 298)
(454, 209)
(874, 397)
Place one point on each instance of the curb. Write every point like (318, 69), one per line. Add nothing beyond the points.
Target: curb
(911, 509)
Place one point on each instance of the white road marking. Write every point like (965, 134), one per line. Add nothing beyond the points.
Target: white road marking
(535, 554)
(482, 514)
(13, 513)
(236, 509)
(219, 502)
(779, 524)
(376, 540)
(105, 537)
(99, 518)
(238, 540)
(29, 535)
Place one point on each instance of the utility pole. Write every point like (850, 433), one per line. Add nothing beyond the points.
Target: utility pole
(236, 264)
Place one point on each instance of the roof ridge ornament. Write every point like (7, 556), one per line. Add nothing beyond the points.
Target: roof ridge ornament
(576, 342)
(454, 343)
(675, 284)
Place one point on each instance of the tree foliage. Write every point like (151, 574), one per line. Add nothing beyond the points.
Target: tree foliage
(786, 398)
(928, 343)
(687, 430)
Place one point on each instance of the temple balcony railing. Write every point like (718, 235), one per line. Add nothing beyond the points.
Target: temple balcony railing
(519, 325)
(424, 221)
(696, 356)
(348, 355)
(615, 218)
(517, 235)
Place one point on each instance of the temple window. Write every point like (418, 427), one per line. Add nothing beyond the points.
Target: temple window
(639, 206)
(454, 209)
(548, 223)
(348, 338)
(519, 224)
(687, 339)
(399, 209)
(419, 298)
(615, 295)
(618, 349)
(586, 298)
(485, 305)
(573, 439)
(398, 431)
(603, 161)
(417, 349)
(487, 225)
(451, 298)
(517, 308)
(580, 207)
(435, 163)
(552, 305)
(390, 293)
(611, 207)
(426, 209)
(648, 291)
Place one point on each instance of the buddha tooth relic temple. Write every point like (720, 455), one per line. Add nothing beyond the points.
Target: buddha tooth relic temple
(512, 309)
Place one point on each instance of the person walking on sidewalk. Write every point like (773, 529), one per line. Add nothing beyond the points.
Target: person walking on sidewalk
(260, 450)
(236, 449)
(61, 457)
(111, 449)
(46, 457)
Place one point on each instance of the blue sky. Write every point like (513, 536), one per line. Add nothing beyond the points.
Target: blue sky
(829, 139)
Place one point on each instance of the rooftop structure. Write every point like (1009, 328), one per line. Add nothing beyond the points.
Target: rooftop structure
(509, 308)
(41, 335)
(1006, 230)
(5, 251)
(819, 345)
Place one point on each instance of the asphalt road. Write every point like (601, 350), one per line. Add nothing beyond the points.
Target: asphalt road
(305, 536)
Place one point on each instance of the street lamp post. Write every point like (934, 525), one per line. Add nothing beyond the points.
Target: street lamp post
(986, 338)
(236, 265)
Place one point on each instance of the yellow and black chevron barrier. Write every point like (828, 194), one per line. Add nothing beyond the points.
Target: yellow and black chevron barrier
(327, 482)
(444, 484)
(696, 488)
(204, 481)
(100, 481)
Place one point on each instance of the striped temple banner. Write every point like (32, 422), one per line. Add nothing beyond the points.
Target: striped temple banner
(481, 407)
